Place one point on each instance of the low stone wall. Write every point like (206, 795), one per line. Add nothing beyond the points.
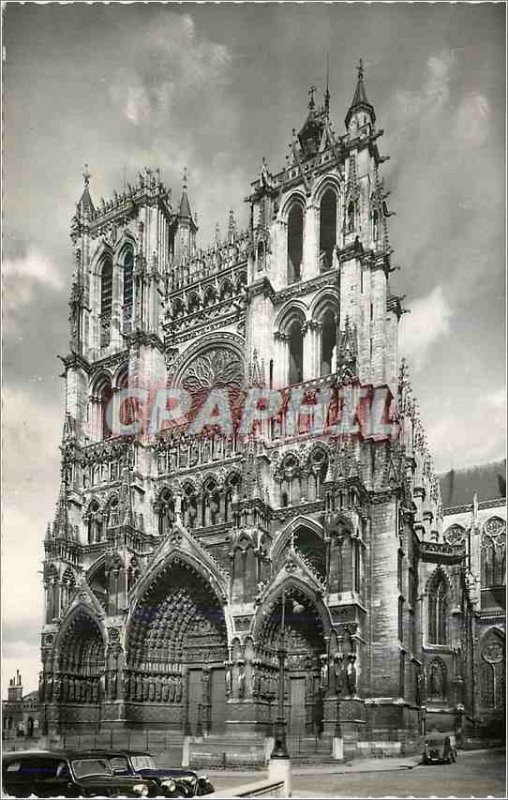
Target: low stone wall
(264, 788)
(244, 752)
(378, 749)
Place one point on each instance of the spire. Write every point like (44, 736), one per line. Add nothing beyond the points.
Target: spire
(61, 526)
(312, 104)
(256, 371)
(327, 90)
(347, 351)
(360, 101)
(85, 202)
(126, 513)
(250, 475)
(185, 209)
(231, 227)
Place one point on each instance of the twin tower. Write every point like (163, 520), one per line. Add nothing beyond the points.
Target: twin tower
(171, 556)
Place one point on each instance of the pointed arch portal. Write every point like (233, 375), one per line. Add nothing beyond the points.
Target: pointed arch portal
(176, 650)
(304, 643)
(78, 686)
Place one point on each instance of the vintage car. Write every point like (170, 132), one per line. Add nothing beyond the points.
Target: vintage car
(173, 782)
(439, 748)
(68, 774)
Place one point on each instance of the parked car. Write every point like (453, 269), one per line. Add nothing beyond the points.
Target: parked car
(439, 748)
(173, 782)
(68, 774)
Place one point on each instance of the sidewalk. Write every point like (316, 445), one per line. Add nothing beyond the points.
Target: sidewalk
(340, 768)
(360, 765)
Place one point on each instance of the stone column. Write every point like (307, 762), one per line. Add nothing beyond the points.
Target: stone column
(281, 365)
(310, 266)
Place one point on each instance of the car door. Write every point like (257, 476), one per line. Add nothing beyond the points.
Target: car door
(23, 777)
(15, 779)
(57, 780)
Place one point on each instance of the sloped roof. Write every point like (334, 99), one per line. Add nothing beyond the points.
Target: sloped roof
(86, 200)
(185, 209)
(360, 99)
(459, 485)
(360, 96)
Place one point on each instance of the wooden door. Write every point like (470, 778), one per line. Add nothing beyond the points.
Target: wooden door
(218, 700)
(195, 689)
(297, 707)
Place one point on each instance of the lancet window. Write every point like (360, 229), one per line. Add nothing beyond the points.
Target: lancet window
(328, 343)
(493, 553)
(438, 610)
(295, 348)
(295, 243)
(128, 289)
(106, 278)
(327, 229)
(492, 671)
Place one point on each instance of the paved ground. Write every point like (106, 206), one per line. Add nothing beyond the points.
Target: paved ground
(475, 774)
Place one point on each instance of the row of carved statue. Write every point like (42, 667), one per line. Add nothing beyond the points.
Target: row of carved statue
(70, 689)
(159, 688)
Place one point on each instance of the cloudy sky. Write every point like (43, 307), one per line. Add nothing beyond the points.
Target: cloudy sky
(215, 88)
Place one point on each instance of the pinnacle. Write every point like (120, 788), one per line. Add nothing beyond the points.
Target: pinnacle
(360, 100)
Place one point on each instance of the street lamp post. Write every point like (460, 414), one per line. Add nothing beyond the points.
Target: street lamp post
(280, 749)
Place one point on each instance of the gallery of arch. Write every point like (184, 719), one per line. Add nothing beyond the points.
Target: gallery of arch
(168, 561)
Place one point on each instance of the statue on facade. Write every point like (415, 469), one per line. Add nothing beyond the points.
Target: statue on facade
(419, 687)
(178, 507)
(228, 678)
(435, 681)
(338, 673)
(241, 679)
(323, 675)
(351, 674)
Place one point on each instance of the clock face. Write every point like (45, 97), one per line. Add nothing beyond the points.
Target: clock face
(455, 535)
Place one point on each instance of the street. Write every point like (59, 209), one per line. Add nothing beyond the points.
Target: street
(475, 774)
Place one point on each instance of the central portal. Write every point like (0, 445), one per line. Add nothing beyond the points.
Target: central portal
(177, 647)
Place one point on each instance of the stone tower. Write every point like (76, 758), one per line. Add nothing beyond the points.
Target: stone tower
(182, 560)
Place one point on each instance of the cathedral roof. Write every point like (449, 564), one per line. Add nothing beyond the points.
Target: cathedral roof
(488, 481)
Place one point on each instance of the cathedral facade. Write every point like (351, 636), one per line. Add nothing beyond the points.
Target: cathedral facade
(183, 560)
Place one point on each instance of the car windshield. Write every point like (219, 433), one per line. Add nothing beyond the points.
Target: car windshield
(143, 762)
(84, 767)
(119, 764)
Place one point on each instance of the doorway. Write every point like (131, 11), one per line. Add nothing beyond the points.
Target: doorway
(297, 706)
(218, 700)
(195, 690)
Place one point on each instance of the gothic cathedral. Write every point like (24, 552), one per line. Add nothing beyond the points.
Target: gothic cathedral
(174, 560)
